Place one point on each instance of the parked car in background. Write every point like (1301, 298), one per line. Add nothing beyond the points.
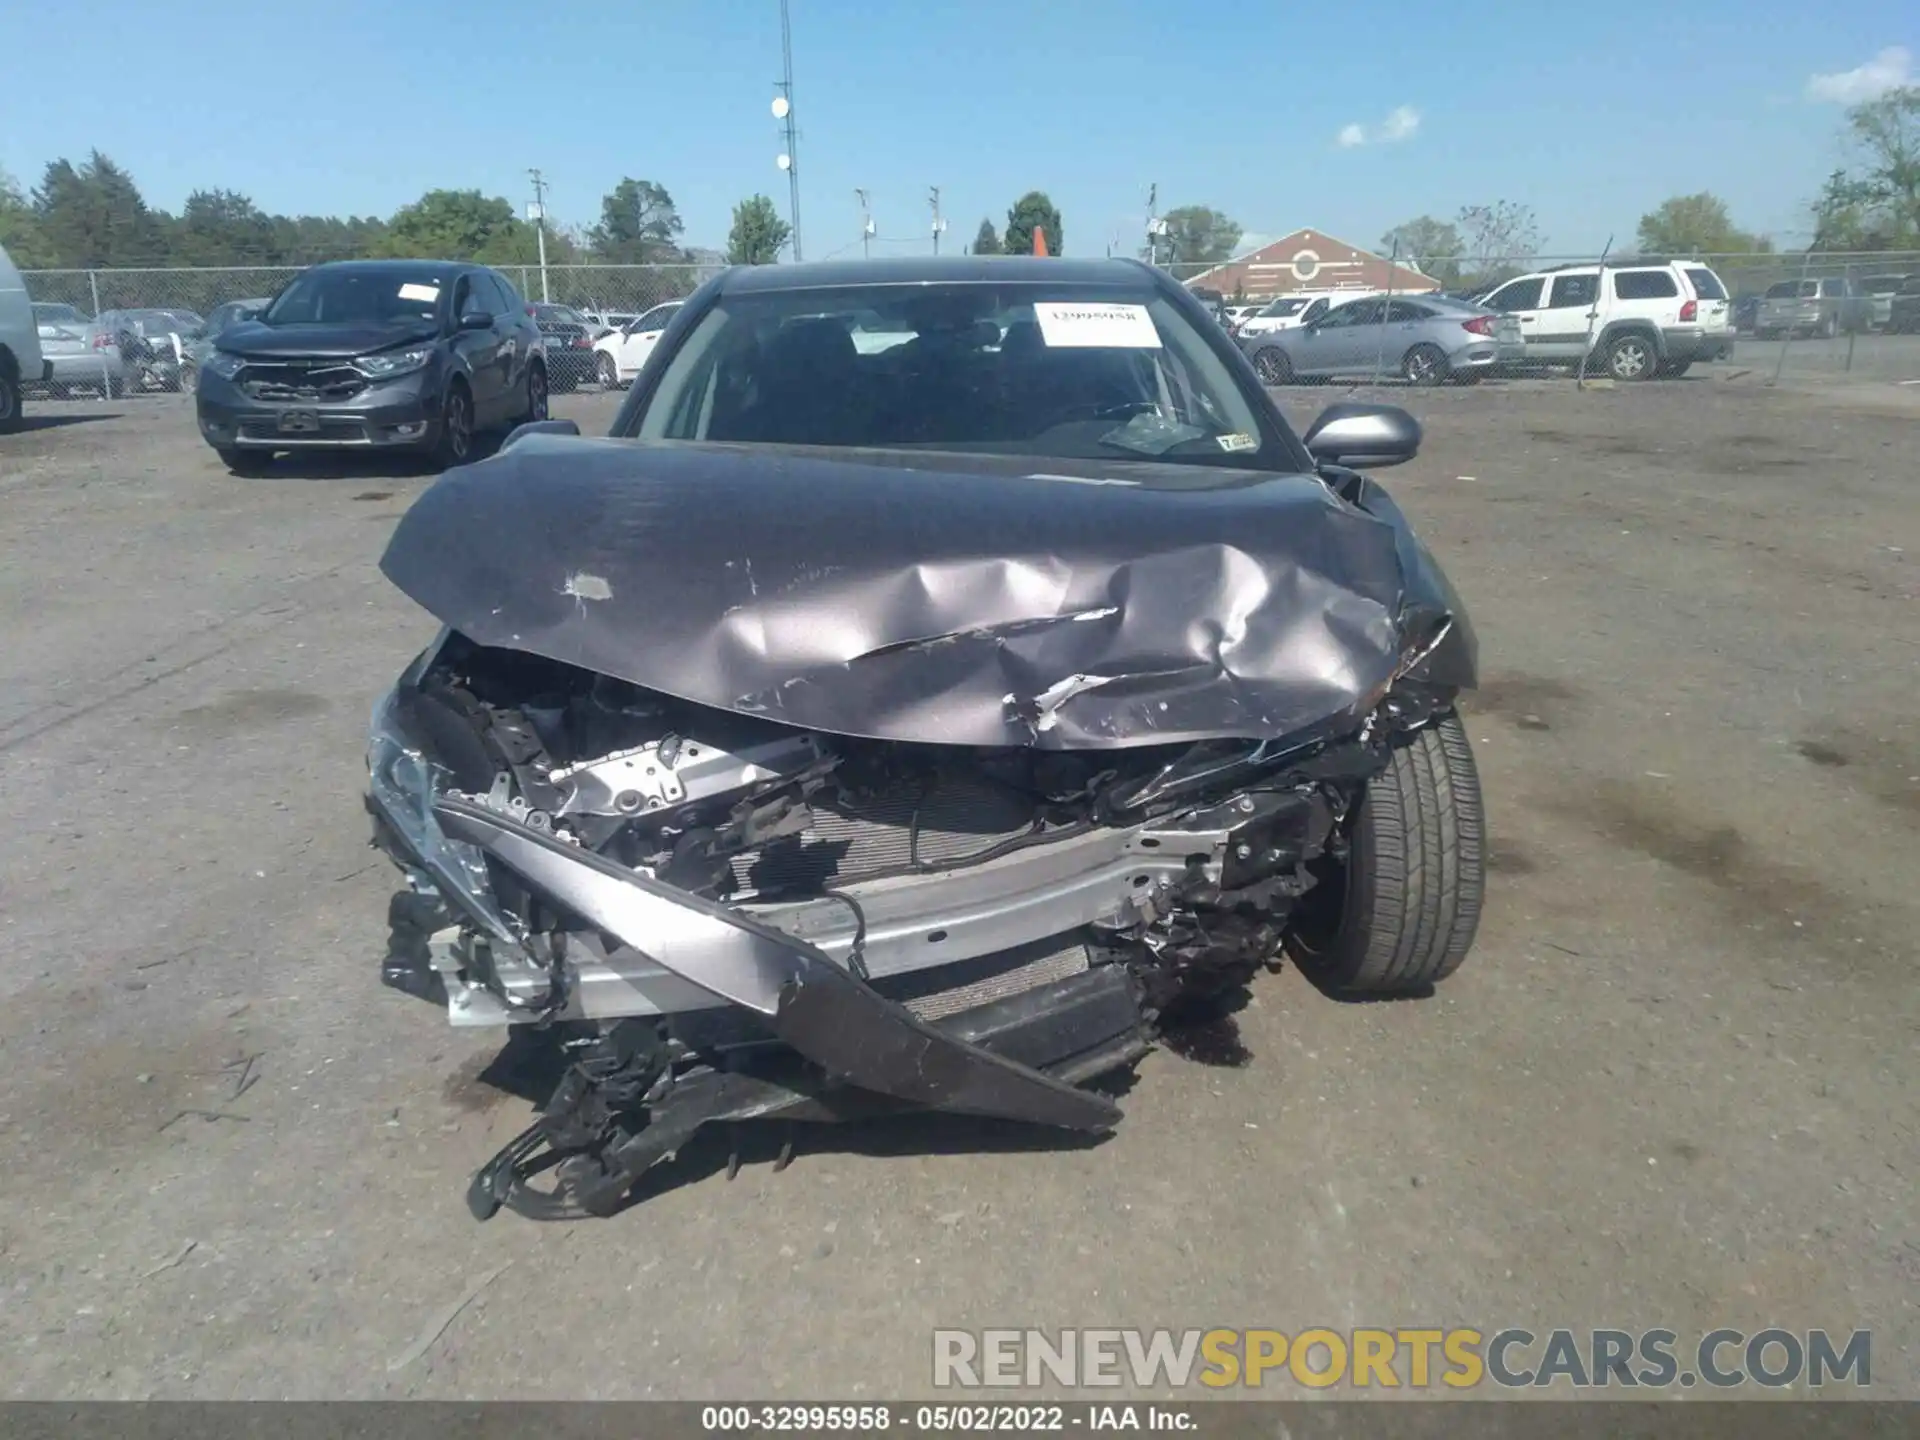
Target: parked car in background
(1425, 339)
(605, 320)
(622, 352)
(1238, 315)
(569, 335)
(1903, 312)
(1635, 320)
(20, 358)
(79, 354)
(1302, 307)
(153, 344)
(1880, 290)
(1828, 307)
(1746, 312)
(395, 355)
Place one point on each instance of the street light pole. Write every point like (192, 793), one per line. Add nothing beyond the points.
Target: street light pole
(933, 195)
(790, 136)
(539, 208)
(866, 227)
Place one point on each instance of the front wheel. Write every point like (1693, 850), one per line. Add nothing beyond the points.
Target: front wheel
(1674, 369)
(1400, 914)
(455, 445)
(11, 418)
(536, 395)
(607, 372)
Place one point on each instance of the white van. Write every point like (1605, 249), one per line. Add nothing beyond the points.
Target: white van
(20, 360)
(1297, 308)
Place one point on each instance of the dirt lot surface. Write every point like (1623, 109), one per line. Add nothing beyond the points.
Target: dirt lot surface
(1675, 1084)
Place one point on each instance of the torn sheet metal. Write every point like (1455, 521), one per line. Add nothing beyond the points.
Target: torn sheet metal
(937, 598)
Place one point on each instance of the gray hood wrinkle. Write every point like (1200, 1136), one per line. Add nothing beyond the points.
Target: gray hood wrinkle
(933, 598)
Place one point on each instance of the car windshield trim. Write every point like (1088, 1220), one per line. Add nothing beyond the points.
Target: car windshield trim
(1115, 372)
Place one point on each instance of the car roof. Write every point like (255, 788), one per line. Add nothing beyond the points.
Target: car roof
(934, 270)
(400, 267)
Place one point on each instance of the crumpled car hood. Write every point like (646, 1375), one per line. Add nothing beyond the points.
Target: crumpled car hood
(934, 598)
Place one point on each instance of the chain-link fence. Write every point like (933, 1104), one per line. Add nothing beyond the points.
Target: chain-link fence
(1812, 313)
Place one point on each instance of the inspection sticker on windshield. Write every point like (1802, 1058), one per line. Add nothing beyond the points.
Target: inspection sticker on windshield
(1102, 326)
(1236, 442)
(425, 294)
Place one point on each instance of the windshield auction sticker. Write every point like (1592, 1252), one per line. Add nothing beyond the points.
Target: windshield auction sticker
(1103, 326)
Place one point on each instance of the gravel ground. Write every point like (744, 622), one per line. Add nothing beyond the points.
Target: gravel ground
(1674, 1085)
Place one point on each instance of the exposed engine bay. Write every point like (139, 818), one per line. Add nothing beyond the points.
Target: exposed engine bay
(944, 879)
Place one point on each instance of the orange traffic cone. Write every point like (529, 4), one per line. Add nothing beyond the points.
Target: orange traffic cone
(1039, 239)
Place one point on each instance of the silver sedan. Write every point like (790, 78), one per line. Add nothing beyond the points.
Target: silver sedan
(1425, 339)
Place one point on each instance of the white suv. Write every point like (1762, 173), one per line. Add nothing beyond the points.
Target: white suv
(1649, 317)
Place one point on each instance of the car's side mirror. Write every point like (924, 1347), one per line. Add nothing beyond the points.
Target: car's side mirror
(476, 320)
(1355, 434)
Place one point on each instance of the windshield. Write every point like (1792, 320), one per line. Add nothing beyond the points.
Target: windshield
(560, 315)
(1286, 305)
(1019, 369)
(1788, 289)
(358, 296)
(1883, 285)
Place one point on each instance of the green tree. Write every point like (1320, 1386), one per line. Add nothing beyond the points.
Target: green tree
(638, 225)
(1196, 235)
(92, 215)
(20, 228)
(449, 224)
(1877, 204)
(986, 240)
(1032, 211)
(758, 233)
(219, 227)
(1695, 224)
(1432, 246)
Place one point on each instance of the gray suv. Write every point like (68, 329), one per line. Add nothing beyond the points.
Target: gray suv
(407, 355)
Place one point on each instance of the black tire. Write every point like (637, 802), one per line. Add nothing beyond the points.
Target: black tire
(454, 445)
(1632, 356)
(1674, 369)
(1766, 334)
(1828, 327)
(11, 414)
(536, 395)
(1400, 914)
(251, 463)
(1273, 367)
(1424, 365)
(607, 372)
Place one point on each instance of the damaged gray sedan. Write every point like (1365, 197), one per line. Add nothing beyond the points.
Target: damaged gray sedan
(944, 672)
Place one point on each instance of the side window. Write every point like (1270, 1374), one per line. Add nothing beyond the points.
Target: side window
(493, 294)
(1571, 290)
(1405, 312)
(1314, 311)
(508, 293)
(463, 297)
(1644, 285)
(1517, 295)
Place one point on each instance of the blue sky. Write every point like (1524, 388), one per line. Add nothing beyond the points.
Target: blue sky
(1591, 117)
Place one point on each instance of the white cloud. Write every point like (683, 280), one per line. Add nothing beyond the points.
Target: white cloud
(1889, 70)
(1402, 124)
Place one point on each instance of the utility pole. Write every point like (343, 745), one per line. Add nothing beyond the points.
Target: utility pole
(790, 137)
(1156, 227)
(537, 212)
(933, 196)
(866, 226)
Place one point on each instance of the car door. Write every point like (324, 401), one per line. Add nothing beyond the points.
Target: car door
(1569, 316)
(639, 338)
(520, 340)
(1522, 300)
(1339, 340)
(479, 348)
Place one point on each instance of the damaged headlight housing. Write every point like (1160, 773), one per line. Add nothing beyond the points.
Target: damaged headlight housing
(225, 363)
(402, 782)
(389, 363)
